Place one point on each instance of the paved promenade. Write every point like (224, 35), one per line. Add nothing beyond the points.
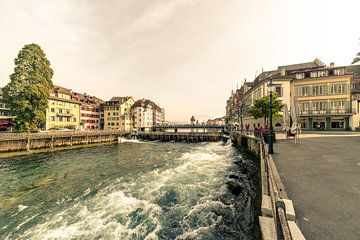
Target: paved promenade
(321, 174)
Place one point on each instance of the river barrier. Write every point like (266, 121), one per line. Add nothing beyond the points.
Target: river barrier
(10, 142)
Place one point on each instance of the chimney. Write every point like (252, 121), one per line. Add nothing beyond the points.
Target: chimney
(282, 71)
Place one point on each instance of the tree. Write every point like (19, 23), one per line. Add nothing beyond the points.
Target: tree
(28, 91)
(356, 60)
(260, 109)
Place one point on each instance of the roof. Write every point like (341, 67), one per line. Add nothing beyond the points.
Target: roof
(145, 103)
(120, 99)
(60, 89)
(299, 66)
(353, 69)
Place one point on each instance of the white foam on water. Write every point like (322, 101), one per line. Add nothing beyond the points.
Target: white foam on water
(125, 140)
(108, 214)
(98, 217)
(22, 208)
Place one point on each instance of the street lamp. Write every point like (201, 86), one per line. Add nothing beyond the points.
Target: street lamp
(241, 108)
(270, 135)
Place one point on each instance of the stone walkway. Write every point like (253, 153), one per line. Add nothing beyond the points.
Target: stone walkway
(321, 174)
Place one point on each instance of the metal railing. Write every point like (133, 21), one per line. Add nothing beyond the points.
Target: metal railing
(277, 204)
(59, 133)
(326, 111)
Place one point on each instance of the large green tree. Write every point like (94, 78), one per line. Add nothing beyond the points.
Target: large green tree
(28, 91)
(260, 109)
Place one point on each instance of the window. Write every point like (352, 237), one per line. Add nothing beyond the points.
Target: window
(278, 90)
(53, 118)
(300, 76)
(74, 119)
(52, 109)
(60, 110)
(339, 71)
(60, 119)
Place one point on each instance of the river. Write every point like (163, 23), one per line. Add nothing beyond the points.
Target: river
(134, 190)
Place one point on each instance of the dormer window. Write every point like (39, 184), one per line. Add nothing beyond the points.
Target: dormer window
(317, 74)
(339, 71)
(300, 76)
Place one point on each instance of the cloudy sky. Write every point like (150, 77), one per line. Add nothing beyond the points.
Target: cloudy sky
(186, 55)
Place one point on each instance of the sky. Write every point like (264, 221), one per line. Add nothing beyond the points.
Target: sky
(185, 55)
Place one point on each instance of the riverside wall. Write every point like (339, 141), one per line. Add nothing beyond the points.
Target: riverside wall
(15, 142)
(265, 204)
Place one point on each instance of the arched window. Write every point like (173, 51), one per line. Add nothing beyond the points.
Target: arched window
(278, 125)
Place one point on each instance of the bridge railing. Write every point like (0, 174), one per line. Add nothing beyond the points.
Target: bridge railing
(58, 133)
(277, 204)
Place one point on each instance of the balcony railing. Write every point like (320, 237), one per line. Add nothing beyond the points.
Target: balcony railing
(327, 112)
(65, 114)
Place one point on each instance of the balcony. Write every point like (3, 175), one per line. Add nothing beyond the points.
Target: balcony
(64, 114)
(327, 112)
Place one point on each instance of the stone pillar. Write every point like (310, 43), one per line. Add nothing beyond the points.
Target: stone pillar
(328, 124)
(310, 121)
(347, 123)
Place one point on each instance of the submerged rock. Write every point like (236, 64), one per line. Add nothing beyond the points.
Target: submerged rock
(227, 199)
(234, 187)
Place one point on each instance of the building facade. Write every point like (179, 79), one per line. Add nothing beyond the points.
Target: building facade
(145, 114)
(327, 96)
(117, 113)
(90, 111)
(324, 98)
(142, 114)
(63, 111)
(5, 115)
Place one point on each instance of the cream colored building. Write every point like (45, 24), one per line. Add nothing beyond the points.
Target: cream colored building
(63, 111)
(142, 114)
(325, 99)
(117, 113)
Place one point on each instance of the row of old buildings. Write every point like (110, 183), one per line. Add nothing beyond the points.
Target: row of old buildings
(68, 109)
(328, 96)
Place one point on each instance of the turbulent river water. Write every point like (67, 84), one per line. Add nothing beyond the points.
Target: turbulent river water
(128, 191)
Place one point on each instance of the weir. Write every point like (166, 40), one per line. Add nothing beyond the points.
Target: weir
(181, 136)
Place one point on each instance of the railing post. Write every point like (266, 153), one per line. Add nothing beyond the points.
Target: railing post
(28, 142)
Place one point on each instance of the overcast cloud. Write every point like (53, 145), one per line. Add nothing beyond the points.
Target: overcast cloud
(186, 55)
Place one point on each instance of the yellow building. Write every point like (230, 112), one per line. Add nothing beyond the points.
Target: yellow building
(117, 113)
(63, 111)
(324, 98)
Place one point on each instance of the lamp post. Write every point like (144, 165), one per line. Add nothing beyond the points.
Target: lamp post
(271, 146)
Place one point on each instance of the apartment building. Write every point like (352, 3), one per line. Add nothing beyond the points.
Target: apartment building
(324, 98)
(63, 111)
(327, 96)
(145, 114)
(5, 115)
(142, 114)
(117, 113)
(158, 114)
(90, 111)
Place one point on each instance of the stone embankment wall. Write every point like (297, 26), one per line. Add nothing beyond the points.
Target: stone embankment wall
(263, 209)
(11, 142)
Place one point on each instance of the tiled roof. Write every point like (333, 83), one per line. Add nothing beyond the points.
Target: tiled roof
(60, 89)
(354, 69)
(315, 64)
(119, 99)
